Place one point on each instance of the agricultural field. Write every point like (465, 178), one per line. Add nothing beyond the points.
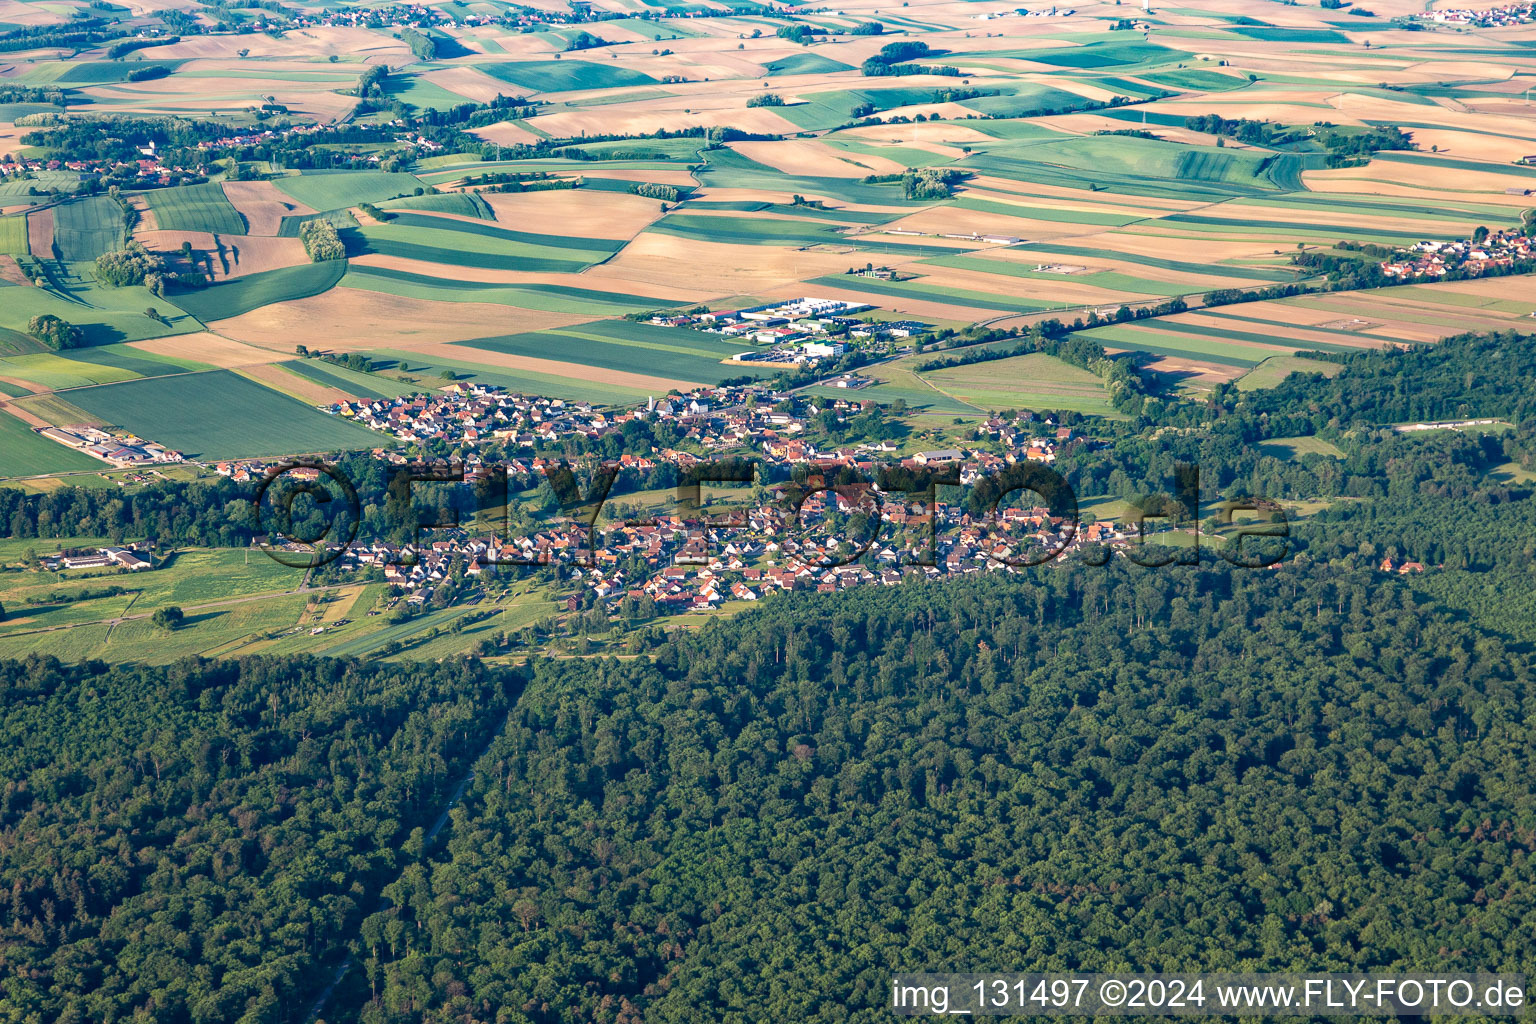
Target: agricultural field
(85, 228)
(334, 190)
(13, 236)
(219, 415)
(1034, 381)
(680, 162)
(683, 356)
(195, 208)
(24, 453)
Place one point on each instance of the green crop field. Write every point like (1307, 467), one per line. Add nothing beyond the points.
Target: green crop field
(13, 236)
(1026, 100)
(1162, 263)
(1156, 342)
(353, 382)
(564, 75)
(526, 382)
(605, 246)
(1094, 55)
(772, 231)
(421, 93)
(126, 357)
(85, 228)
(1099, 279)
(106, 72)
(24, 453)
(56, 372)
(1276, 368)
(334, 190)
(804, 64)
(1035, 381)
(478, 244)
(465, 204)
(290, 226)
(195, 208)
(244, 294)
(1273, 34)
(677, 353)
(684, 150)
(220, 415)
(550, 297)
(827, 109)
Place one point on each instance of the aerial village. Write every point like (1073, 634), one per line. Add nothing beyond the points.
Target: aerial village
(1503, 16)
(1436, 259)
(789, 536)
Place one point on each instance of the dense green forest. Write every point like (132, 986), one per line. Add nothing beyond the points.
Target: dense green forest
(196, 844)
(1183, 769)
(1314, 767)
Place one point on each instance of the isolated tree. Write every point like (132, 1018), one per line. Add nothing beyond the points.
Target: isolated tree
(168, 618)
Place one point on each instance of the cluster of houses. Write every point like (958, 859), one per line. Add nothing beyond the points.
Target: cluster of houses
(679, 564)
(102, 558)
(1503, 16)
(396, 132)
(1434, 259)
(1388, 565)
(796, 331)
(147, 171)
(469, 414)
(120, 450)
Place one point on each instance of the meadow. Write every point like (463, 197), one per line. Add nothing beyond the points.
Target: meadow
(104, 314)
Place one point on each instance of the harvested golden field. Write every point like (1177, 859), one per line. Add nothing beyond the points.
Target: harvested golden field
(346, 319)
(815, 159)
(207, 348)
(230, 256)
(506, 133)
(350, 44)
(40, 232)
(293, 385)
(719, 268)
(262, 205)
(943, 132)
(574, 213)
(678, 113)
